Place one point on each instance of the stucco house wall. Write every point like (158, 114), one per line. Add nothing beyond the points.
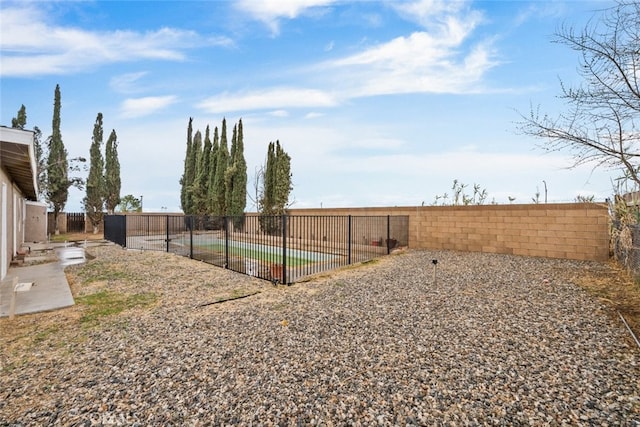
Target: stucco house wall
(35, 228)
(17, 185)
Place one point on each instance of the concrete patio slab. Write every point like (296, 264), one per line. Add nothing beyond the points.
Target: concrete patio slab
(49, 290)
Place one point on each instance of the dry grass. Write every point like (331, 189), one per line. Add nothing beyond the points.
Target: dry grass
(614, 286)
(76, 237)
(25, 337)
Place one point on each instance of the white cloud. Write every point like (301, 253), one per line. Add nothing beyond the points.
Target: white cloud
(138, 107)
(435, 60)
(439, 15)
(277, 98)
(423, 62)
(279, 113)
(271, 11)
(31, 47)
(126, 83)
(540, 10)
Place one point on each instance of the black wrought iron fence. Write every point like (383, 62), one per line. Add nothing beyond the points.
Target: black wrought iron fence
(278, 248)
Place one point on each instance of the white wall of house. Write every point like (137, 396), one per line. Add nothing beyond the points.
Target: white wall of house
(12, 221)
(17, 184)
(4, 255)
(9, 225)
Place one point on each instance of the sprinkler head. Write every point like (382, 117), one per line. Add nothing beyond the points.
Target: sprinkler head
(434, 261)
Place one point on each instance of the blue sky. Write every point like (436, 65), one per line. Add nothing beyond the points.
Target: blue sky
(378, 103)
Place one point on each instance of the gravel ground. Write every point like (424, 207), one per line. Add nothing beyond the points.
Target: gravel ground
(496, 340)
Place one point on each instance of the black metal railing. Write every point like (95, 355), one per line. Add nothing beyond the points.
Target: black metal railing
(282, 248)
(115, 229)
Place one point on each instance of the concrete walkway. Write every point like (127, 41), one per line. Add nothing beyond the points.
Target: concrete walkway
(49, 288)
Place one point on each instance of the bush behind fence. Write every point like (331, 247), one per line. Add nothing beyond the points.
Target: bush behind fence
(278, 248)
(626, 246)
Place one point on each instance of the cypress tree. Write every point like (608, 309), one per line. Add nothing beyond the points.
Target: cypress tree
(234, 142)
(201, 180)
(268, 223)
(237, 179)
(112, 173)
(185, 182)
(213, 161)
(196, 155)
(276, 188)
(41, 166)
(229, 173)
(282, 181)
(269, 180)
(94, 200)
(240, 193)
(20, 121)
(58, 182)
(222, 160)
(196, 148)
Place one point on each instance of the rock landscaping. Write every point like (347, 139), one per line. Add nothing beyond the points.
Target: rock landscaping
(158, 339)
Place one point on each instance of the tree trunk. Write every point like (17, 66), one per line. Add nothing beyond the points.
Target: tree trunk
(56, 214)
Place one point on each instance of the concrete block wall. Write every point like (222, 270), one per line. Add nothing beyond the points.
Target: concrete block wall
(578, 231)
(570, 230)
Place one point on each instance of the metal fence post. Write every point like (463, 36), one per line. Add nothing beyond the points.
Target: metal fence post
(388, 242)
(284, 249)
(225, 221)
(349, 240)
(167, 224)
(190, 237)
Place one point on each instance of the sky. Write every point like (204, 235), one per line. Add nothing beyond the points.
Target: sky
(378, 103)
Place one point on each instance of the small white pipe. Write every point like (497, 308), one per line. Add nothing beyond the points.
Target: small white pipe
(629, 329)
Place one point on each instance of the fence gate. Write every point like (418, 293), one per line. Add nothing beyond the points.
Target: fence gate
(75, 222)
(115, 229)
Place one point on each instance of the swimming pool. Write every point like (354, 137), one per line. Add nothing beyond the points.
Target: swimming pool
(257, 251)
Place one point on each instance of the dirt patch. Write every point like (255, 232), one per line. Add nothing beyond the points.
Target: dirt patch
(77, 237)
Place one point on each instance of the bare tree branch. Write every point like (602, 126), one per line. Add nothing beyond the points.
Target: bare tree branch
(599, 125)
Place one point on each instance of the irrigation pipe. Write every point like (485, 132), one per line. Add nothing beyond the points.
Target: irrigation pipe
(629, 329)
(227, 299)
